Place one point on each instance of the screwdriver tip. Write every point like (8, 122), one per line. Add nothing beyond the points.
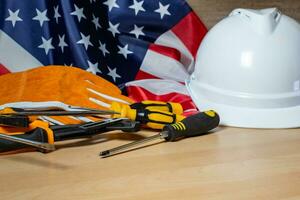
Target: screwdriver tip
(105, 153)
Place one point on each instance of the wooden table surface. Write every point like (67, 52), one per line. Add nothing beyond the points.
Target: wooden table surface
(230, 163)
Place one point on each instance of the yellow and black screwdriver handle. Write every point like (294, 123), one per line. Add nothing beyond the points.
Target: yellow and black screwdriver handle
(191, 126)
(36, 131)
(172, 107)
(155, 119)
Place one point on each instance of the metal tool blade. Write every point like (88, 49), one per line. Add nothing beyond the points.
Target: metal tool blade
(119, 149)
(39, 145)
(62, 113)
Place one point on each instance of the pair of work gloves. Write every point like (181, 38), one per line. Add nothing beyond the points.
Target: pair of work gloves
(59, 86)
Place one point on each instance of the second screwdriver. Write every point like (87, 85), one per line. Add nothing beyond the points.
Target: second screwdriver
(194, 125)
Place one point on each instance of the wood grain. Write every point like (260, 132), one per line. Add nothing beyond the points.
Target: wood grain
(211, 11)
(230, 164)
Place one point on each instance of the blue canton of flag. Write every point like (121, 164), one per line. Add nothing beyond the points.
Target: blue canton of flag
(109, 38)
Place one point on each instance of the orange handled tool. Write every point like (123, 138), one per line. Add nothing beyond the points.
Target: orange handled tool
(38, 134)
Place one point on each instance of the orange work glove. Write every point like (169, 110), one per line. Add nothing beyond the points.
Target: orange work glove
(69, 85)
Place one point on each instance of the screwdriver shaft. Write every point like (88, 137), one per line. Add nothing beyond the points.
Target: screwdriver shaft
(63, 113)
(121, 148)
(45, 146)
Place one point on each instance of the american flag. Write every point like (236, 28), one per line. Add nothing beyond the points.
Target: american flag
(119, 40)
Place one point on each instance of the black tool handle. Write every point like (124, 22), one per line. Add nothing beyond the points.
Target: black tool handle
(69, 133)
(14, 120)
(37, 134)
(172, 107)
(125, 125)
(194, 125)
(66, 132)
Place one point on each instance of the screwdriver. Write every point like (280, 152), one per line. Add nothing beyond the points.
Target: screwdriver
(19, 117)
(194, 125)
(153, 118)
(35, 112)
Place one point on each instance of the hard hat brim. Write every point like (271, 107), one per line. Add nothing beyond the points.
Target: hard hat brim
(247, 117)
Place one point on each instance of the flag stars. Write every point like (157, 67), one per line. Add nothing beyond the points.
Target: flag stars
(62, 42)
(103, 48)
(93, 68)
(137, 6)
(163, 10)
(114, 28)
(68, 65)
(56, 14)
(113, 73)
(137, 31)
(41, 16)
(111, 4)
(13, 17)
(96, 22)
(78, 13)
(46, 45)
(124, 50)
(85, 40)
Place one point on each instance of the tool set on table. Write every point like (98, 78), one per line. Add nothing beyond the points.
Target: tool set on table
(21, 128)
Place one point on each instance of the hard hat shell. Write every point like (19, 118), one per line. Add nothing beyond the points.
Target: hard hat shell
(248, 70)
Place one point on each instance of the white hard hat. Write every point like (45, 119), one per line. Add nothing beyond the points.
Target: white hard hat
(248, 70)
